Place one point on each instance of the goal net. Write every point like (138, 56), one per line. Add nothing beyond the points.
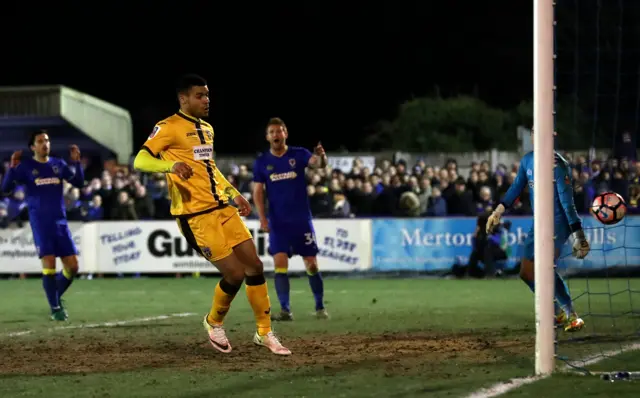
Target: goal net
(597, 103)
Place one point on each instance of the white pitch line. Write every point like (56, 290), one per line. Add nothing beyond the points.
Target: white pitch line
(105, 324)
(503, 388)
(512, 384)
(605, 355)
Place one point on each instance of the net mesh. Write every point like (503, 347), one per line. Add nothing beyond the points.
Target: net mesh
(597, 118)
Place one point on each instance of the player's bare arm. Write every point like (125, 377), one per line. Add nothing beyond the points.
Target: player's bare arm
(182, 170)
(74, 177)
(244, 207)
(319, 159)
(74, 153)
(15, 159)
(9, 181)
(258, 200)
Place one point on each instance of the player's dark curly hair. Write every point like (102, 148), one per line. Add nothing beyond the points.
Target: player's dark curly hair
(34, 136)
(276, 121)
(187, 81)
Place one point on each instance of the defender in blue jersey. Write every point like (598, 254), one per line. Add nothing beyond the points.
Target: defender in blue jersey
(566, 222)
(42, 178)
(281, 172)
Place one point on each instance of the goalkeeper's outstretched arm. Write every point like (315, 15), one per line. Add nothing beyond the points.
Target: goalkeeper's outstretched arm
(518, 185)
(564, 187)
(512, 194)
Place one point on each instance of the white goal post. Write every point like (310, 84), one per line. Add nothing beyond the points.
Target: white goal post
(543, 120)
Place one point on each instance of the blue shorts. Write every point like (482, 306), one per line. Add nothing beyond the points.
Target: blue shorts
(293, 239)
(562, 233)
(54, 240)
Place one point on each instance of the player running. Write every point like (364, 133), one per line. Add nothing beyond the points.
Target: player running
(566, 222)
(182, 147)
(42, 177)
(281, 171)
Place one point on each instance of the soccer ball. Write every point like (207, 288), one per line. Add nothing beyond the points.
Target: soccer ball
(609, 208)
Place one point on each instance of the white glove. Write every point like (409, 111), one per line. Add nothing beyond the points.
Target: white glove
(580, 245)
(494, 219)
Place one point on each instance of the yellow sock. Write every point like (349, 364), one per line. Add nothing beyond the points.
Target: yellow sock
(258, 296)
(68, 273)
(222, 298)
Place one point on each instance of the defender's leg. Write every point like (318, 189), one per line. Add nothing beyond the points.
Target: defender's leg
(317, 285)
(304, 244)
(66, 250)
(280, 249)
(50, 288)
(68, 253)
(65, 277)
(283, 287)
(44, 240)
(69, 270)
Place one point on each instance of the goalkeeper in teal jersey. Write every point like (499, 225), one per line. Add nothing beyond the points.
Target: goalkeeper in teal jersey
(566, 222)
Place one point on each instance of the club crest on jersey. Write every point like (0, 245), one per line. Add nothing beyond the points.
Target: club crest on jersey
(154, 132)
(34, 172)
(270, 167)
(209, 134)
(55, 169)
(292, 162)
(206, 252)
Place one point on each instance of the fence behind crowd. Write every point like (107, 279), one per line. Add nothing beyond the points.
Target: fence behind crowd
(353, 245)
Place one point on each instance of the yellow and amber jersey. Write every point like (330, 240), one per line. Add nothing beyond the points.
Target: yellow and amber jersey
(183, 138)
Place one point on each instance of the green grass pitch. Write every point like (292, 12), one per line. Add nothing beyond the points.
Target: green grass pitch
(386, 338)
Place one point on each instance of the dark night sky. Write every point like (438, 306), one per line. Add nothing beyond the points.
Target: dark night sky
(328, 69)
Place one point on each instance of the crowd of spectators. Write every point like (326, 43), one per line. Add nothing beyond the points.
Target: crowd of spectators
(390, 189)
(422, 190)
(109, 193)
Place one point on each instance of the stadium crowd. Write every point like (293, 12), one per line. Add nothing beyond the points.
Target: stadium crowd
(399, 190)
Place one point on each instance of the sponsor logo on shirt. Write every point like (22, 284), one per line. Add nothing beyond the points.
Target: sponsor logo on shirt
(203, 152)
(47, 181)
(290, 175)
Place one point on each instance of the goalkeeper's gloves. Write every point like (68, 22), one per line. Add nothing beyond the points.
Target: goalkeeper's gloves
(580, 245)
(494, 219)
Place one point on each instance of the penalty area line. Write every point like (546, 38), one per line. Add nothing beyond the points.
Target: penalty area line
(103, 324)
